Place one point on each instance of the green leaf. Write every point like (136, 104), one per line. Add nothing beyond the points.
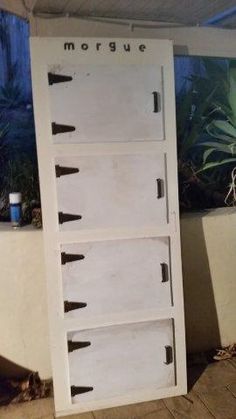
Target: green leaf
(215, 164)
(207, 153)
(232, 84)
(217, 146)
(224, 126)
(198, 123)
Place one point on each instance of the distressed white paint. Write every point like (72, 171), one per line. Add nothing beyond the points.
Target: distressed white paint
(119, 103)
(45, 54)
(112, 191)
(117, 276)
(122, 359)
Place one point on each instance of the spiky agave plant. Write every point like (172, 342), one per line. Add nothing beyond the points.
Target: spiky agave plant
(206, 154)
(220, 148)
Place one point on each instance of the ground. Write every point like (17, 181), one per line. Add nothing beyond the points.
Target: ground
(212, 394)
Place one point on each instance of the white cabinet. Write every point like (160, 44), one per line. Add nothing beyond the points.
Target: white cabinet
(105, 125)
(111, 191)
(107, 103)
(120, 360)
(116, 276)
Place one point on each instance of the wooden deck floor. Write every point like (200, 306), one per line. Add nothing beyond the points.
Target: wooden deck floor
(212, 394)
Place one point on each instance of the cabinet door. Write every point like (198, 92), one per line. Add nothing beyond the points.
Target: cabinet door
(112, 191)
(117, 276)
(108, 103)
(121, 360)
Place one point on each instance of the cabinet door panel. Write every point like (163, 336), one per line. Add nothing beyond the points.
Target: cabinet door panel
(108, 103)
(113, 191)
(117, 276)
(122, 359)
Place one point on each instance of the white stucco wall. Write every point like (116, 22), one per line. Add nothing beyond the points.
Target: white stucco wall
(23, 319)
(209, 272)
(209, 265)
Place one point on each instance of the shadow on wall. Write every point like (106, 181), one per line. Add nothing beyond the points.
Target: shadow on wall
(202, 327)
(9, 369)
(19, 384)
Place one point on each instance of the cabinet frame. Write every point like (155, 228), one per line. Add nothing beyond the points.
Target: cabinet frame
(50, 51)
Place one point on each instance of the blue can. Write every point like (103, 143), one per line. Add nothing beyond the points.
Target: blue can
(15, 200)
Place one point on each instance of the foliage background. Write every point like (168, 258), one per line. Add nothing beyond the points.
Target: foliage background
(206, 126)
(206, 132)
(18, 159)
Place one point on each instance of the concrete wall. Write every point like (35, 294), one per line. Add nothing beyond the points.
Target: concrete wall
(209, 266)
(209, 272)
(23, 319)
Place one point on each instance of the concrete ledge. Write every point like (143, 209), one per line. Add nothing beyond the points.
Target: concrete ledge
(23, 320)
(209, 266)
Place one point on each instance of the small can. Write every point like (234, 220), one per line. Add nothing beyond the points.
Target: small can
(15, 200)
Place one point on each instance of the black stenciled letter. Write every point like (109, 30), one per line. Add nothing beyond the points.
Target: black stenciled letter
(98, 44)
(127, 47)
(112, 46)
(84, 47)
(69, 45)
(142, 47)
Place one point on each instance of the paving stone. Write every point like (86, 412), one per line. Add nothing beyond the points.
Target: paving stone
(187, 407)
(220, 402)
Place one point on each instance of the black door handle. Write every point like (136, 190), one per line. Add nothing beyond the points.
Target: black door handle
(156, 102)
(160, 188)
(164, 272)
(169, 354)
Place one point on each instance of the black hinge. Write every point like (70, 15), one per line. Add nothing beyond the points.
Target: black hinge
(69, 257)
(156, 102)
(58, 78)
(74, 346)
(160, 188)
(65, 218)
(73, 305)
(164, 272)
(75, 390)
(61, 128)
(63, 171)
(169, 355)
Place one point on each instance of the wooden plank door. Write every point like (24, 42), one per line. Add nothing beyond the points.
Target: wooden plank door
(106, 143)
(108, 103)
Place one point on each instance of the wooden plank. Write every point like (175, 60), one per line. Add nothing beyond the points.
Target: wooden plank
(160, 414)
(220, 402)
(80, 416)
(232, 388)
(34, 409)
(96, 367)
(232, 361)
(187, 407)
(150, 410)
(156, 53)
(216, 375)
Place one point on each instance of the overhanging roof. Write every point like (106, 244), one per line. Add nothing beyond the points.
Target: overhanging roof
(221, 13)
